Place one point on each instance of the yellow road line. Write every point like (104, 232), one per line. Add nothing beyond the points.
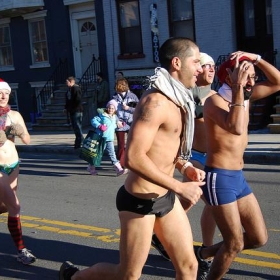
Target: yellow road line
(112, 235)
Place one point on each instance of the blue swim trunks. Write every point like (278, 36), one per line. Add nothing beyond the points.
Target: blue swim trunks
(224, 186)
(198, 156)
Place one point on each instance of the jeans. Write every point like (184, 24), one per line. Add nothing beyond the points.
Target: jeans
(110, 148)
(76, 121)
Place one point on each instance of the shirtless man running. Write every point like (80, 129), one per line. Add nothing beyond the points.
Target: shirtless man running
(233, 205)
(201, 91)
(160, 139)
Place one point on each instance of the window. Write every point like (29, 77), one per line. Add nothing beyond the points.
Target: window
(13, 102)
(39, 41)
(249, 18)
(181, 18)
(129, 27)
(268, 17)
(6, 56)
(38, 38)
(88, 27)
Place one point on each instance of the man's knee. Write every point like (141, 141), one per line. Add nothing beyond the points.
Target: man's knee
(260, 240)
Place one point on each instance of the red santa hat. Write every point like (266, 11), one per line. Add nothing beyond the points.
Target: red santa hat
(4, 85)
(229, 64)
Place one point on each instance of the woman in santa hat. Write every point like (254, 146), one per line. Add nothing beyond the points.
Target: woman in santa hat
(11, 125)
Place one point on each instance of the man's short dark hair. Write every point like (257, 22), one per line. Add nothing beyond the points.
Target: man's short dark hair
(181, 47)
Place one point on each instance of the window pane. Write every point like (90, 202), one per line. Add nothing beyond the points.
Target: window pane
(40, 52)
(183, 29)
(268, 17)
(132, 41)
(6, 57)
(249, 18)
(181, 10)
(129, 14)
(130, 27)
(39, 41)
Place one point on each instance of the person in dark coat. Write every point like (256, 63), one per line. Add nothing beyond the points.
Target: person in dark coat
(74, 108)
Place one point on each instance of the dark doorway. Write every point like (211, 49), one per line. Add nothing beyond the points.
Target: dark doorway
(254, 34)
(254, 27)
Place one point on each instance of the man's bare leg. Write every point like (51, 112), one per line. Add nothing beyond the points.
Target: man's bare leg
(231, 219)
(208, 226)
(180, 249)
(135, 244)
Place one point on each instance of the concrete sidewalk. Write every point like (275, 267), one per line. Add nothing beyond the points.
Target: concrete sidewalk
(263, 147)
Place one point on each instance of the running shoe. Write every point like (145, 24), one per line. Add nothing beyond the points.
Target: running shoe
(203, 265)
(92, 171)
(24, 256)
(157, 245)
(67, 270)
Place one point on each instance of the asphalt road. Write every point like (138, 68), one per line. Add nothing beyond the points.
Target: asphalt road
(70, 215)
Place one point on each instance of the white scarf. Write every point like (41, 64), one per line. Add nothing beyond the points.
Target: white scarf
(182, 97)
(226, 93)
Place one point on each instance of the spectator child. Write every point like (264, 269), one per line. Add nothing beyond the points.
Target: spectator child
(105, 124)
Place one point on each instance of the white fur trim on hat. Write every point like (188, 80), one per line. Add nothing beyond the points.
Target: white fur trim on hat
(4, 85)
(205, 58)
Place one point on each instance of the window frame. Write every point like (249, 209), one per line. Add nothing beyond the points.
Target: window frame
(186, 21)
(125, 53)
(32, 18)
(5, 23)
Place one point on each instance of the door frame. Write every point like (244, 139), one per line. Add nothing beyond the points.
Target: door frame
(77, 14)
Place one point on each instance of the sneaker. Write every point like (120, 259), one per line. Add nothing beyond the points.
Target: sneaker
(25, 257)
(203, 265)
(67, 270)
(157, 245)
(92, 171)
(122, 172)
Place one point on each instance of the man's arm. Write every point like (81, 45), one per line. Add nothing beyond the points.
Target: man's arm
(142, 154)
(267, 87)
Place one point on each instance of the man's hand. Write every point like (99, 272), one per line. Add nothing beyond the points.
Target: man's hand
(3, 137)
(191, 192)
(252, 56)
(195, 174)
(17, 130)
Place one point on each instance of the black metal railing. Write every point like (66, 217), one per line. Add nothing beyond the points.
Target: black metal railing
(89, 76)
(57, 77)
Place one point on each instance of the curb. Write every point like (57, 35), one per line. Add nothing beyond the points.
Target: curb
(262, 157)
(250, 157)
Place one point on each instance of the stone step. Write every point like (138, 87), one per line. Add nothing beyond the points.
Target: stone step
(51, 127)
(55, 107)
(276, 118)
(277, 108)
(274, 128)
(52, 120)
(53, 113)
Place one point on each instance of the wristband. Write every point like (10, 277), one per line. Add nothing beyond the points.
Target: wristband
(235, 104)
(257, 59)
(185, 166)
